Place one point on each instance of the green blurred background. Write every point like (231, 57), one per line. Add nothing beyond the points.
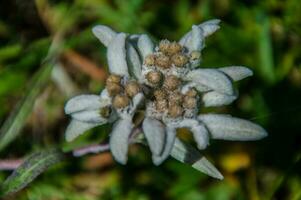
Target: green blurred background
(264, 35)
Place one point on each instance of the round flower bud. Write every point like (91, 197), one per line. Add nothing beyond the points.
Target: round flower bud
(150, 60)
(132, 88)
(154, 77)
(163, 61)
(160, 94)
(189, 102)
(113, 79)
(175, 98)
(105, 111)
(179, 59)
(164, 46)
(172, 82)
(121, 101)
(161, 105)
(195, 55)
(113, 88)
(175, 111)
(191, 92)
(174, 48)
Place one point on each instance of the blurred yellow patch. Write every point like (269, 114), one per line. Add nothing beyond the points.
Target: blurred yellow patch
(235, 161)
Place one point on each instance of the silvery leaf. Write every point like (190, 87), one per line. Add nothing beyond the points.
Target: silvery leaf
(213, 98)
(133, 61)
(119, 139)
(185, 153)
(104, 95)
(237, 73)
(169, 143)
(89, 116)
(104, 34)
(137, 99)
(76, 128)
(83, 103)
(116, 55)
(199, 87)
(230, 128)
(208, 27)
(134, 39)
(200, 135)
(145, 45)
(212, 79)
(197, 39)
(198, 130)
(154, 132)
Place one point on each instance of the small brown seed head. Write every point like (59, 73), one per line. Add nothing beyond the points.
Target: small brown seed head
(191, 93)
(160, 94)
(164, 46)
(163, 61)
(161, 105)
(175, 98)
(150, 60)
(179, 59)
(132, 88)
(154, 77)
(175, 111)
(171, 82)
(195, 55)
(174, 48)
(105, 111)
(189, 102)
(113, 88)
(121, 101)
(113, 78)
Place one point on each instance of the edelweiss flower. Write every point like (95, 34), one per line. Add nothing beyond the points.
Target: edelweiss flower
(162, 80)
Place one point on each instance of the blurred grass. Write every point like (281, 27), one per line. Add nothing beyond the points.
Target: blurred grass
(264, 35)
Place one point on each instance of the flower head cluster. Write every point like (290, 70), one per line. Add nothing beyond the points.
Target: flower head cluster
(165, 82)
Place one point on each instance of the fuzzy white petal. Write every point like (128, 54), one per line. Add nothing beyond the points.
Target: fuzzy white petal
(145, 45)
(104, 34)
(154, 132)
(199, 87)
(137, 99)
(197, 39)
(82, 103)
(237, 73)
(208, 27)
(213, 98)
(212, 79)
(230, 128)
(90, 116)
(116, 55)
(200, 135)
(198, 130)
(133, 61)
(134, 38)
(119, 139)
(195, 42)
(104, 95)
(76, 128)
(169, 143)
(189, 155)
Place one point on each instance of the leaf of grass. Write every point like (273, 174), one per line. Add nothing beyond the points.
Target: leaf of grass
(33, 166)
(185, 153)
(265, 49)
(12, 126)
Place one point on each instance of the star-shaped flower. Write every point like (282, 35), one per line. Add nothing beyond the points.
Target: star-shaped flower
(165, 82)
